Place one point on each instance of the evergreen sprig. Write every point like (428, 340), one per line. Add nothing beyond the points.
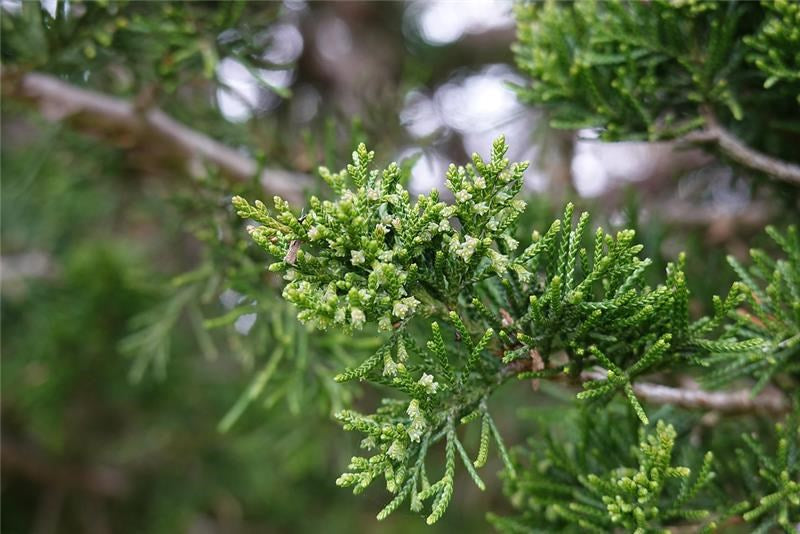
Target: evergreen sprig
(637, 70)
(775, 48)
(761, 336)
(373, 254)
(596, 312)
(657, 70)
(605, 481)
(773, 480)
(565, 307)
(442, 397)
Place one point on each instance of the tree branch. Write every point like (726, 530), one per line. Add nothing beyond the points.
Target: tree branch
(122, 122)
(769, 401)
(719, 223)
(33, 464)
(732, 147)
(729, 402)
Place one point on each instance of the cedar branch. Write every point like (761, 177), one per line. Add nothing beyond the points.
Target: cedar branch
(728, 402)
(735, 149)
(770, 401)
(122, 121)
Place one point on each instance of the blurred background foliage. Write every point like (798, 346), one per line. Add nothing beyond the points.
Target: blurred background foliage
(142, 391)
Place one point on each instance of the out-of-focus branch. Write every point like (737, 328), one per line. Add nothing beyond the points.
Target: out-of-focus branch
(122, 122)
(729, 402)
(720, 224)
(736, 150)
(16, 268)
(23, 459)
(684, 213)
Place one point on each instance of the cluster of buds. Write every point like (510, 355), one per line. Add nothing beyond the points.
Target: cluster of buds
(418, 424)
(370, 254)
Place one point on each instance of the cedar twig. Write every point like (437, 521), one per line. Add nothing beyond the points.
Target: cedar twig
(127, 123)
(770, 401)
(728, 402)
(732, 147)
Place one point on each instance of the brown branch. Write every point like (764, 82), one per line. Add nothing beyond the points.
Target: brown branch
(122, 122)
(732, 147)
(33, 464)
(769, 401)
(728, 402)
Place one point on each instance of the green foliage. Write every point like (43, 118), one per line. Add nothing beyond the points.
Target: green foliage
(558, 311)
(381, 258)
(606, 481)
(620, 53)
(597, 312)
(111, 245)
(648, 70)
(374, 255)
(761, 339)
(773, 482)
(774, 49)
(450, 296)
(440, 402)
(130, 44)
(232, 306)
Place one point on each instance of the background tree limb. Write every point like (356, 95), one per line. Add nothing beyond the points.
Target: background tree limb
(124, 123)
(100, 480)
(732, 147)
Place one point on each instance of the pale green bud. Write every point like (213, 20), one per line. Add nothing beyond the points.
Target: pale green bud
(357, 257)
(463, 196)
(428, 383)
(480, 208)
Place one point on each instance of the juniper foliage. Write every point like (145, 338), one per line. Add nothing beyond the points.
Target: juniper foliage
(131, 46)
(566, 307)
(582, 486)
(773, 478)
(760, 337)
(464, 303)
(233, 306)
(657, 70)
(374, 255)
